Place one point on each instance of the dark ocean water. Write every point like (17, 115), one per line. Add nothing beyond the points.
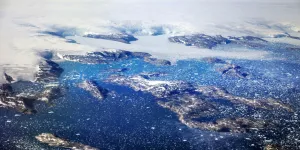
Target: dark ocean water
(127, 119)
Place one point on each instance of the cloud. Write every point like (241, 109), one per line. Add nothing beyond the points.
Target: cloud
(22, 22)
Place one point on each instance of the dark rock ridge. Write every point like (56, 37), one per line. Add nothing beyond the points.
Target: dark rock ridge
(8, 78)
(9, 99)
(105, 56)
(24, 95)
(50, 93)
(273, 147)
(6, 89)
(286, 35)
(119, 70)
(246, 38)
(71, 41)
(49, 71)
(227, 69)
(93, 88)
(64, 32)
(47, 54)
(212, 92)
(200, 40)
(148, 75)
(124, 38)
(232, 70)
(156, 61)
(207, 41)
(293, 48)
(214, 60)
(237, 125)
(111, 56)
(294, 37)
(193, 104)
(57, 142)
(159, 89)
(248, 41)
(25, 102)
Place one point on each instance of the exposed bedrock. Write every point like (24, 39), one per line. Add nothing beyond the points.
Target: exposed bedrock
(22, 96)
(207, 41)
(226, 68)
(124, 38)
(57, 142)
(232, 70)
(195, 104)
(25, 102)
(105, 57)
(212, 92)
(156, 61)
(94, 89)
(200, 40)
(214, 60)
(49, 71)
(157, 88)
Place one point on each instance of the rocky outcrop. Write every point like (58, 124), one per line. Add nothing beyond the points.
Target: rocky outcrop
(148, 75)
(124, 38)
(9, 99)
(57, 142)
(200, 40)
(273, 147)
(212, 92)
(194, 105)
(12, 102)
(214, 60)
(207, 41)
(25, 102)
(226, 68)
(119, 70)
(28, 94)
(6, 89)
(157, 88)
(236, 125)
(246, 38)
(232, 70)
(197, 110)
(287, 36)
(248, 41)
(50, 93)
(93, 88)
(156, 61)
(8, 78)
(49, 71)
(105, 57)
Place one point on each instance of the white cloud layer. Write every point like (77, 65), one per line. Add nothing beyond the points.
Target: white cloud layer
(22, 21)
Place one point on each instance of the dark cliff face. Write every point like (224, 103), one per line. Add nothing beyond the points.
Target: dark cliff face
(124, 38)
(8, 78)
(207, 41)
(105, 57)
(49, 71)
(213, 60)
(6, 88)
(200, 40)
(24, 100)
(23, 96)
(232, 70)
(94, 89)
(226, 68)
